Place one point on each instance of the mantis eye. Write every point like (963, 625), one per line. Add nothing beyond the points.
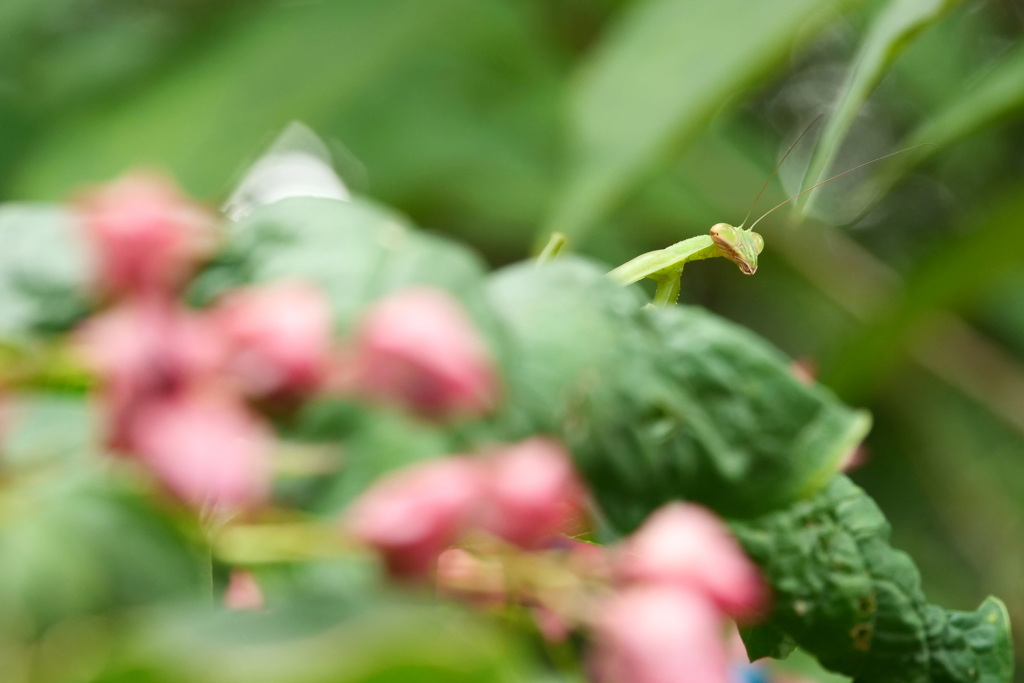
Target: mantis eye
(758, 242)
(724, 232)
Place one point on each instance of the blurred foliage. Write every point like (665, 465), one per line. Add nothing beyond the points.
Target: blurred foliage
(38, 293)
(634, 124)
(327, 642)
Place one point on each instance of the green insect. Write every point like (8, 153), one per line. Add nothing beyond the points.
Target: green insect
(738, 244)
(665, 266)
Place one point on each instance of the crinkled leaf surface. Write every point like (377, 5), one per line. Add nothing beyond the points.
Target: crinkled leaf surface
(736, 403)
(845, 595)
(664, 404)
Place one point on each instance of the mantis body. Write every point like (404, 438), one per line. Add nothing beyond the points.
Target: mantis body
(665, 266)
(739, 245)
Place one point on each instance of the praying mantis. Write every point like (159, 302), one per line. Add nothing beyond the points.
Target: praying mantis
(739, 244)
(665, 266)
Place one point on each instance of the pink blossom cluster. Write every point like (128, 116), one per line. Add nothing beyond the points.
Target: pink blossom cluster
(654, 605)
(524, 494)
(184, 390)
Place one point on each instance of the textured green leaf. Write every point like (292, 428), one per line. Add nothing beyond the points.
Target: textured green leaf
(656, 78)
(662, 404)
(756, 428)
(766, 640)
(356, 251)
(846, 596)
(43, 269)
(891, 31)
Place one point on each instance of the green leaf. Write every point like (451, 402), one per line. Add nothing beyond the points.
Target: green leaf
(42, 429)
(656, 78)
(847, 597)
(76, 546)
(890, 33)
(662, 404)
(569, 328)
(777, 436)
(386, 641)
(43, 270)
(372, 442)
(356, 252)
(766, 640)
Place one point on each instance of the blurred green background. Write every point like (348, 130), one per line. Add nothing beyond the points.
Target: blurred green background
(630, 125)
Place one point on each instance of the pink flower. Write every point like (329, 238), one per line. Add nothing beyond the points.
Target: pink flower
(144, 351)
(146, 235)
(659, 634)
(533, 493)
(243, 592)
(279, 336)
(411, 516)
(207, 450)
(419, 349)
(687, 546)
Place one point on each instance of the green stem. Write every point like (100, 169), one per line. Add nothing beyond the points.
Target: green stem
(45, 366)
(281, 542)
(552, 249)
(208, 573)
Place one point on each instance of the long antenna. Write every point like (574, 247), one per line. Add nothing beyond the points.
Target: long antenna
(777, 166)
(838, 175)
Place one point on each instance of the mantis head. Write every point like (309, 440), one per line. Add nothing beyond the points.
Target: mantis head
(738, 245)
